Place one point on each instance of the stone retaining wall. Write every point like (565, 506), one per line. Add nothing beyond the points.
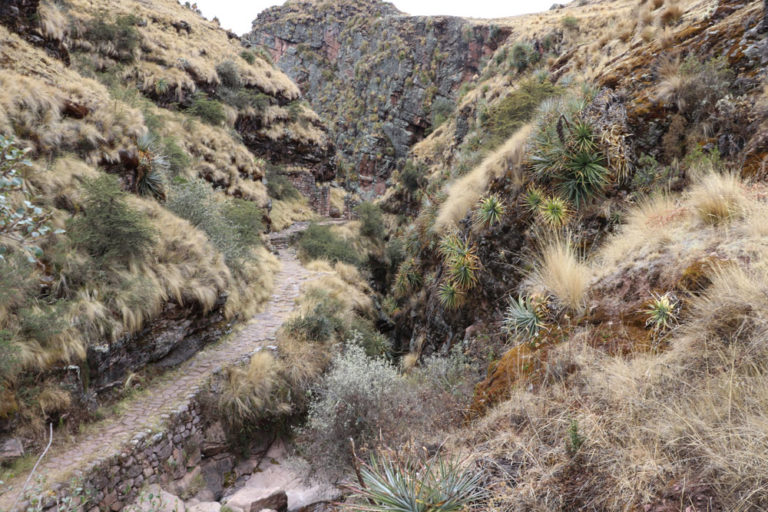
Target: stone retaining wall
(319, 196)
(151, 457)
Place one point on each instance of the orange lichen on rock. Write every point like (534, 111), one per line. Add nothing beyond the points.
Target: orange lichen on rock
(518, 364)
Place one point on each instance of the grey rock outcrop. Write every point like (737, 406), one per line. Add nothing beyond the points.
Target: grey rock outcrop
(380, 78)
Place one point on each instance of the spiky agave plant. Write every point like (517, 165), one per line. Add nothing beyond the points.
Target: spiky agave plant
(524, 318)
(152, 169)
(554, 211)
(533, 198)
(583, 136)
(489, 211)
(451, 297)
(408, 278)
(584, 176)
(392, 484)
(662, 311)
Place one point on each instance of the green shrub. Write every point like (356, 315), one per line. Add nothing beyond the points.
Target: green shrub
(442, 108)
(246, 218)
(489, 211)
(210, 111)
(122, 33)
(319, 242)
(248, 56)
(108, 228)
(231, 226)
(371, 220)
(319, 325)
(570, 22)
(360, 399)
(516, 109)
(408, 278)
(523, 55)
(178, 158)
(229, 74)
(279, 186)
(364, 334)
(662, 311)
(408, 484)
(9, 357)
(412, 176)
(42, 322)
(565, 153)
(22, 223)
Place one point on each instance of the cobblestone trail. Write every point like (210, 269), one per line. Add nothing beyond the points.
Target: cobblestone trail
(176, 388)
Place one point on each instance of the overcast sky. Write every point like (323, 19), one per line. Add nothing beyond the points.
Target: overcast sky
(237, 15)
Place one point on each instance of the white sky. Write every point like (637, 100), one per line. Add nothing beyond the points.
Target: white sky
(237, 15)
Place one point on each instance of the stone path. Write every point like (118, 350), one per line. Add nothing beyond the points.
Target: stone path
(177, 388)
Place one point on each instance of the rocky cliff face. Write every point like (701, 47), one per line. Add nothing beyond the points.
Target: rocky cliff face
(380, 78)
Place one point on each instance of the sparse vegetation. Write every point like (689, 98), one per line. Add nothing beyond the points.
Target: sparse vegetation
(320, 242)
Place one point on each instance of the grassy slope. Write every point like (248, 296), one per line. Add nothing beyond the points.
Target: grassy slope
(183, 265)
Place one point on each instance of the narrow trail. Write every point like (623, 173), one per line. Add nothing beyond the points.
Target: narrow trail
(176, 388)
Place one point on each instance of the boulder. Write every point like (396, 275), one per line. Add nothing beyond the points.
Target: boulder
(209, 506)
(277, 501)
(155, 499)
(11, 449)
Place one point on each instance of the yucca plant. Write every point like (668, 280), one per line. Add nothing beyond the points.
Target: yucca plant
(533, 198)
(583, 136)
(450, 295)
(489, 211)
(524, 318)
(584, 176)
(152, 169)
(554, 211)
(662, 311)
(408, 278)
(460, 258)
(391, 484)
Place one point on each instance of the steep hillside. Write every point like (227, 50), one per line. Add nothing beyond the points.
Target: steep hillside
(380, 78)
(135, 139)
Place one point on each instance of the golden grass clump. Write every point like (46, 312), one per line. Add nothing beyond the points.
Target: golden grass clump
(286, 212)
(562, 273)
(718, 197)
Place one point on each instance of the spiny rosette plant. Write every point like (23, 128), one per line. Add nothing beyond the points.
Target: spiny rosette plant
(392, 483)
(662, 312)
(22, 224)
(534, 196)
(408, 278)
(554, 212)
(489, 211)
(152, 169)
(566, 154)
(524, 318)
(451, 297)
(461, 261)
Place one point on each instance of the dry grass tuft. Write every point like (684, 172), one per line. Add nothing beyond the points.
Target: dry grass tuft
(560, 272)
(718, 198)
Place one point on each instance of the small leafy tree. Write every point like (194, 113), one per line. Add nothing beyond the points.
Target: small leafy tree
(21, 222)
